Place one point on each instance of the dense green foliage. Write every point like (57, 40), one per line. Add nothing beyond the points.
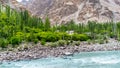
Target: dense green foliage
(17, 27)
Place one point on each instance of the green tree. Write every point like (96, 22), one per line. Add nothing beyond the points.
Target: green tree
(47, 24)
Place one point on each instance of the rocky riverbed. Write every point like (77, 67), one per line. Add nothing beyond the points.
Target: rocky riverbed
(39, 51)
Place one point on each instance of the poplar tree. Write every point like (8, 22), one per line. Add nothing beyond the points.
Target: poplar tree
(47, 24)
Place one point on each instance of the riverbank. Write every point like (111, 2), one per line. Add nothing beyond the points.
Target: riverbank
(40, 51)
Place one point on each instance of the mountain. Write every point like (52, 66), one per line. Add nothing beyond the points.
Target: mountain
(12, 3)
(61, 11)
(24, 2)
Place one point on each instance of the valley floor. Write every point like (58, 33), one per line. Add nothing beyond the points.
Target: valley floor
(40, 51)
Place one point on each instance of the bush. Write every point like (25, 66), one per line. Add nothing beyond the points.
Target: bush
(68, 42)
(76, 43)
(23, 47)
(27, 29)
(111, 35)
(35, 30)
(64, 36)
(51, 37)
(89, 41)
(80, 37)
(101, 41)
(55, 44)
(35, 41)
(20, 48)
(48, 44)
(48, 36)
(3, 43)
(21, 35)
(30, 37)
(43, 42)
(15, 40)
(61, 42)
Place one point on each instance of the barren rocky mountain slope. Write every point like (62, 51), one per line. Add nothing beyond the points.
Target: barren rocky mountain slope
(79, 10)
(60, 11)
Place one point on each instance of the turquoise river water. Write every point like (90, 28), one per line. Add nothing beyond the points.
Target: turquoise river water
(103, 59)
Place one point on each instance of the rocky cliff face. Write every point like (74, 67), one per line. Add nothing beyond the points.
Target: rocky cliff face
(60, 11)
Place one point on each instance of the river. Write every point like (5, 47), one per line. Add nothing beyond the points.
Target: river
(100, 59)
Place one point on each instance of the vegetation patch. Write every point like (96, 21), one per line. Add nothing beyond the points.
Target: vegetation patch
(19, 26)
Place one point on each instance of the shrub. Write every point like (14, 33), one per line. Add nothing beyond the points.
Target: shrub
(23, 47)
(55, 44)
(10, 49)
(80, 37)
(3, 43)
(101, 41)
(15, 40)
(75, 37)
(43, 42)
(27, 29)
(89, 41)
(48, 36)
(38, 35)
(68, 42)
(35, 41)
(20, 34)
(30, 37)
(64, 36)
(83, 37)
(61, 42)
(51, 37)
(58, 43)
(20, 48)
(112, 35)
(76, 43)
(48, 44)
(35, 30)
